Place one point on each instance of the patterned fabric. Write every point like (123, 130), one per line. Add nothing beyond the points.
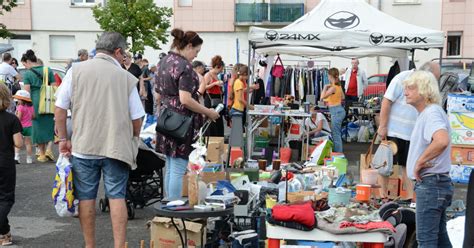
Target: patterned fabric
(175, 73)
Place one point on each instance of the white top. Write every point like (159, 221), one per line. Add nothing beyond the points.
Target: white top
(362, 81)
(402, 118)
(432, 119)
(313, 125)
(64, 94)
(7, 72)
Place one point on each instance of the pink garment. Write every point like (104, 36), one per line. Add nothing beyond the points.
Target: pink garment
(369, 225)
(26, 115)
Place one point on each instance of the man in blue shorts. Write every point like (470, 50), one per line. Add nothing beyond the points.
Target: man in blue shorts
(106, 119)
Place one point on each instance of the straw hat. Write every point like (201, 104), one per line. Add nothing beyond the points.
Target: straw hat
(22, 95)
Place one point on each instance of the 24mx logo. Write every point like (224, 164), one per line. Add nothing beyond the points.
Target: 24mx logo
(378, 38)
(273, 35)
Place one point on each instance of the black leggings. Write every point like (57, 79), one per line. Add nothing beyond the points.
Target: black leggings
(469, 225)
(7, 193)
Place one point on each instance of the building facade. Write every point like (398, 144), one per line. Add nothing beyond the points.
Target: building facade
(458, 23)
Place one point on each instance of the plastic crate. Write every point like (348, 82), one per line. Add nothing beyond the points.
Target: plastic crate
(256, 223)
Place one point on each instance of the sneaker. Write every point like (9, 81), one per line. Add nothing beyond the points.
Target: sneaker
(49, 154)
(29, 160)
(6, 239)
(17, 161)
(42, 159)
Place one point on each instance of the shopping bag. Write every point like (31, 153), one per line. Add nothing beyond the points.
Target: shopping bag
(278, 69)
(47, 95)
(63, 189)
(382, 160)
(322, 151)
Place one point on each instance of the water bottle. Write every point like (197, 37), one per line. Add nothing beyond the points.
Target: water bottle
(219, 108)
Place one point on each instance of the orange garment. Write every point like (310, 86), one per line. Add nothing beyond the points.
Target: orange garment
(336, 98)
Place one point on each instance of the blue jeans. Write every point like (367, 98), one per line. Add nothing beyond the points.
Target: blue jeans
(175, 170)
(337, 116)
(433, 195)
(86, 175)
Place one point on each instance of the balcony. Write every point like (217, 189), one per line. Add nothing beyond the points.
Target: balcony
(267, 14)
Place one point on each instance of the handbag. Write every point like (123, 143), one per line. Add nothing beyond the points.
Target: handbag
(173, 124)
(382, 160)
(215, 101)
(47, 97)
(278, 69)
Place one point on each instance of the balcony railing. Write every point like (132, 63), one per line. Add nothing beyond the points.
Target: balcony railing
(267, 14)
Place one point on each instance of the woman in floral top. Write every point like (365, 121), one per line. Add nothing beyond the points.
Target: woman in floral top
(178, 84)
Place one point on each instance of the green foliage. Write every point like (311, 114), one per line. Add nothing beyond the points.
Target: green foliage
(7, 6)
(140, 21)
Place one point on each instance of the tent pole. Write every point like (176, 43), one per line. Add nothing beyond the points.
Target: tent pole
(413, 55)
(440, 57)
(248, 136)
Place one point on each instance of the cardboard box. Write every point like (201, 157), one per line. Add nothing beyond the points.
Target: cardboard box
(165, 235)
(393, 188)
(462, 155)
(215, 150)
(462, 126)
(304, 196)
(207, 177)
(404, 190)
(396, 171)
(460, 103)
(461, 173)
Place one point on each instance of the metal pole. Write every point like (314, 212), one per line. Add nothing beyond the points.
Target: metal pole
(412, 56)
(440, 57)
(248, 136)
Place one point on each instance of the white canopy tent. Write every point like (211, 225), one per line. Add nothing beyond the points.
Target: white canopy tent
(347, 28)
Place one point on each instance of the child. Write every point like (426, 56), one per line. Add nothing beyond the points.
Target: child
(25, 113)
(10, 137)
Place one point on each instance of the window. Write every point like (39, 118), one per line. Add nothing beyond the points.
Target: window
(62, 47)
(87, 2)
(19, 1)
(185, 3)
(401, 2)
(377, 79)
(454, 44)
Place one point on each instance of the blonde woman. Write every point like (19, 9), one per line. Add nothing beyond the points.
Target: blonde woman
(429, 159)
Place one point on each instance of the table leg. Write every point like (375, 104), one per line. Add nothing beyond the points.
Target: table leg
(179, 233)
(273, 243)
(185, 234)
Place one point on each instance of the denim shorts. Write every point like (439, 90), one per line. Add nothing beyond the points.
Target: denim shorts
(86, 176)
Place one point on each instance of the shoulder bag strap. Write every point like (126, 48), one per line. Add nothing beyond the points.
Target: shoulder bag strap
(369, 154)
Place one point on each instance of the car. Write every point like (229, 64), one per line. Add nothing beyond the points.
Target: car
(377, 86)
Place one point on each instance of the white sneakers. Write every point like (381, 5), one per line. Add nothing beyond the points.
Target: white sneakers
(29, 160)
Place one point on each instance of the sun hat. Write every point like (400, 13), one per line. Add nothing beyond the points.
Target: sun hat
(22, 95)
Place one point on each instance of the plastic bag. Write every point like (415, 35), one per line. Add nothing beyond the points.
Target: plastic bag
(63, 189)
(383, 160)
(364, 134)
(321, 151)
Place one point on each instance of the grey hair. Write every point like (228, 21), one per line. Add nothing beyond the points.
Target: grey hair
(82, 52)
(427, 67)
(197, 63)
(109, 41)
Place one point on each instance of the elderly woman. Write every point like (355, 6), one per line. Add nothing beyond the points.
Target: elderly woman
(429, 160)
(43, 124)
(178, 86)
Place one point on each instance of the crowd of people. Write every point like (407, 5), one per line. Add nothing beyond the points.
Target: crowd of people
(410, 115)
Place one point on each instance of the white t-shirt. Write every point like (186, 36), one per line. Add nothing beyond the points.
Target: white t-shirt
(402, 116)
(63, 100)
(313, 125)
(7, 72)
(432, 119)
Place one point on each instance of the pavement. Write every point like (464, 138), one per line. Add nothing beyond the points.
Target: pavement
(36, 224)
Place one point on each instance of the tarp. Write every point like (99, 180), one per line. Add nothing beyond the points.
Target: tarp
(345, 28)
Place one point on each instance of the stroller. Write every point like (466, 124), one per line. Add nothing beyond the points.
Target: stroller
(145, 183)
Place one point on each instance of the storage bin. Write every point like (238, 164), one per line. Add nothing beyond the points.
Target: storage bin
(339, 196)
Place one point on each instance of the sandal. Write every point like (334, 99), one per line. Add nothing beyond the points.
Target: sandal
(6, 239)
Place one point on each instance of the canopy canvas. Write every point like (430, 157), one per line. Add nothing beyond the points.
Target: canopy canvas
(345, 28)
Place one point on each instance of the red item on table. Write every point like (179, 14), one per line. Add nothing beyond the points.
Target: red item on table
(369, 225)
(300, 213)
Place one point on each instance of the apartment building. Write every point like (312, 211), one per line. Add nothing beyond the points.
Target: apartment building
(56, 29)
(458, 23)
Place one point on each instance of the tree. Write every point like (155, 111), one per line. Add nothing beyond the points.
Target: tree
(7, 6)
(140, 21)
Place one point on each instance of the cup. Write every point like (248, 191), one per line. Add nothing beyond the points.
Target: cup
(276, 164)
(262, 164)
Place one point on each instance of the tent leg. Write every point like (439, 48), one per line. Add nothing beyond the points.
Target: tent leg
(440, 57)
(248, 136)
(413, 56)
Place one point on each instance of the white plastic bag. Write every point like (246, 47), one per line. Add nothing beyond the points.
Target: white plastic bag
(364, 134)
(383, 160)
(63, 189)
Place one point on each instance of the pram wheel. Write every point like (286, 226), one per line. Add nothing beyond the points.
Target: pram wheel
(103, 205)
(130, 211)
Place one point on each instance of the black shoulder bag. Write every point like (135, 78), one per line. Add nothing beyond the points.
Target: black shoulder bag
(173, 124)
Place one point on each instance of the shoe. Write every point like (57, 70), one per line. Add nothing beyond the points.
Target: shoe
(29, 160)
(17, 161)
(37, 153)
(6, 239)
(42, 159)
(50, 155)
